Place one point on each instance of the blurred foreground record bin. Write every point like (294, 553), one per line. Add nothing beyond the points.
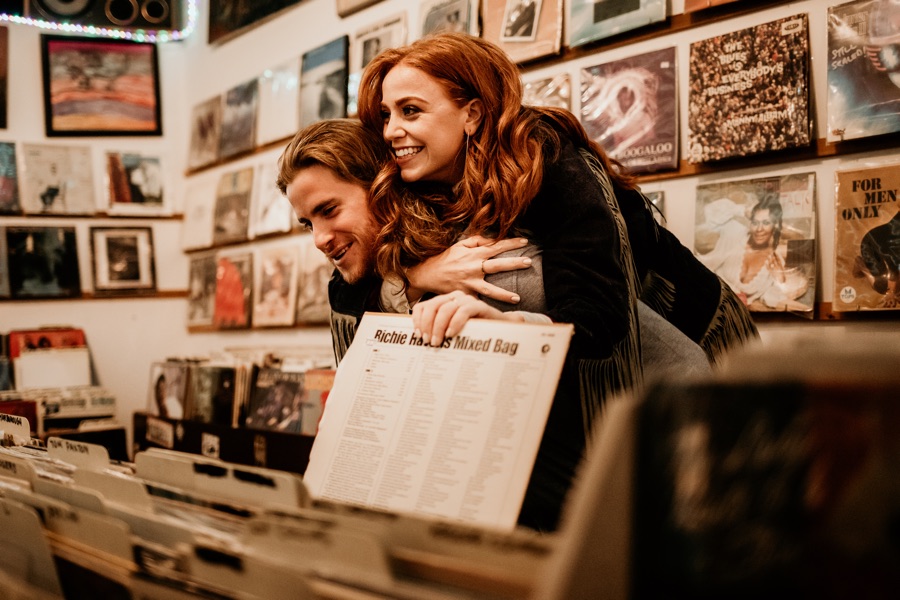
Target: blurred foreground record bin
(784, 487)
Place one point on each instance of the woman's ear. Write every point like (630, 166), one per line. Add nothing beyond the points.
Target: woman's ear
(474, 115)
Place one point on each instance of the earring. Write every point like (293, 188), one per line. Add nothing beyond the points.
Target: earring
(467, 144)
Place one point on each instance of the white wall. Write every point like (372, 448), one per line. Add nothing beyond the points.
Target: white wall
(127, 335)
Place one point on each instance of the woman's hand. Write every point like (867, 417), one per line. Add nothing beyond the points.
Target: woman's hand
(462, 267)
(444, 316)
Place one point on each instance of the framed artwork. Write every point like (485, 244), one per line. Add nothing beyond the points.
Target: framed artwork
(123, 260)
(275, 284)
(95, 87)
(43, 262)
(202, 290)
(134, 183)
(230, 18)
(278, 116)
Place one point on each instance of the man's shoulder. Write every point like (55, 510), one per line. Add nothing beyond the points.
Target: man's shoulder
(352, 298)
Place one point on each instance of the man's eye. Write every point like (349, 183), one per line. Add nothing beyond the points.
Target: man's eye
(305, 225)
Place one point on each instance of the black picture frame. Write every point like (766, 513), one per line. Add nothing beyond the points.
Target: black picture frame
(229, 19)
(100, 87)
(123, 261)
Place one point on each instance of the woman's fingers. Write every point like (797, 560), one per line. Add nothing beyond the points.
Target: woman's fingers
(499, 265)
(489, 290)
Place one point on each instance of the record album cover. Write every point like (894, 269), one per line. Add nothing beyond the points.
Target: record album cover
(43, 262)
(206, 130)
(525, 29)
(275, 287)
(759, 235)
(867, 239)
(323, 82)
(212, 394)
(749, 91)
(168, 391)
(446, 15)
(555, 90)
(9, 180)
(58, 180)
(315, 272)
(134, 183)
(863, 69)
(367, 43)
(276, 401)
(658, 201)
(234, 289)
(630, 107)
(202, 289)
(232, 211)
(695, 5)
(591, 20)
(199, 206)
(279, 102)
(240, 110)
(270, 211)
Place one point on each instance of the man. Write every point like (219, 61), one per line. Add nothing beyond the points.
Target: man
(326, 172)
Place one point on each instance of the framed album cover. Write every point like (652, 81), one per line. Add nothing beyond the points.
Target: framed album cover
(278, 116)
(202, 289)
(95, 87)
(231, 217)
(275, 284)
(348, 7)
(591, 20)
(553, 90)
(123, 261)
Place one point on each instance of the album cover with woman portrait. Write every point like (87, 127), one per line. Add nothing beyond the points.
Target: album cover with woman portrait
(867, 239)
(630, 107)
(525, 29)
(43, 262)
(863, 70)
(591, 20)
(169, 386)
(759, 235)
(324, 82)
(437, 16)
(750, 91)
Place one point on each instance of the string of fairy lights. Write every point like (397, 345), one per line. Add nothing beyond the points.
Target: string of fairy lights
(135, 35)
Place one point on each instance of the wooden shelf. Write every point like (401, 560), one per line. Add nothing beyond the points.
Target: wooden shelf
(91, 296)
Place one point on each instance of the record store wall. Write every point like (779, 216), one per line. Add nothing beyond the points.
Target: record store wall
(127, 334)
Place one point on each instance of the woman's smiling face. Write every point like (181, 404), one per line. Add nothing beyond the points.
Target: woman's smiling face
(424, 126)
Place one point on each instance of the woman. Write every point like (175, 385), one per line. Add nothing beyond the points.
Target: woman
(451, 108)
(443, 138)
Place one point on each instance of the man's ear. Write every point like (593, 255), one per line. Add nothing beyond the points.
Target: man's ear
(474, 115)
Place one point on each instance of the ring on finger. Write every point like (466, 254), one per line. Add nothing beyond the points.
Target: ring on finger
(483, 272)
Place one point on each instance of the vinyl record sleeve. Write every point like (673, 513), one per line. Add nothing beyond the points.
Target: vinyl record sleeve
(58, 180)
(749, 91)
(279, 102)
(43, 262)
(863, 74)
(275, 286)
(555, 90)
(591, 20)
(234, 289)
(231, 219)
(9, 179)
(524, 29)
(276, 401)
(323, 82)
(240, 111)
(201, 289)
(867, 239)
(759, 235)
(630, 107)
(206, 129)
